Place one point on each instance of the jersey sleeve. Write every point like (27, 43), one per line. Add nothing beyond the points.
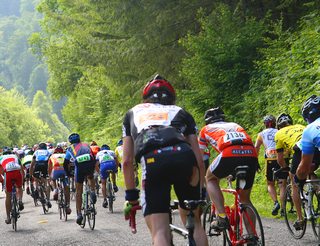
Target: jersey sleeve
(202, 139)
(309, 140)
(279, 143)
(126, 129)
(191, 125)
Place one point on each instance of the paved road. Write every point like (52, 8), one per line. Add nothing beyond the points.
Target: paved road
(35, 228)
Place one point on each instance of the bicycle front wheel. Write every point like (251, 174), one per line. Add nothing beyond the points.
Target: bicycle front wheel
(43, 202)
(91, 216)
(290, 215)
(315, 220)
(213, 236)
(251, 229)
(110, 197)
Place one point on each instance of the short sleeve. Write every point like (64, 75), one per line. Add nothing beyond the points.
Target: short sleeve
(126, 129)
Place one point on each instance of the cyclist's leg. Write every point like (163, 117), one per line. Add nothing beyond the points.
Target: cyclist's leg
(103, 177)
(19, 190)
(272, 165)
(8, 190)
(159, 229)
(79, 179)
(88, 172)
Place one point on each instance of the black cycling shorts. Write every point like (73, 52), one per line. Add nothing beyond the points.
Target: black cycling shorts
(273, 164)
(296, 159)
(162, 168)
(222, 167)
(40, 170)
(84, 169)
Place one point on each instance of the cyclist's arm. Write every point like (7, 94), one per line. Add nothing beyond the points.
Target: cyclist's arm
(304, 167)
(49, 167)
(258, 144)
(97, 167)
(33, 163)
(128, 167)
(193, 141)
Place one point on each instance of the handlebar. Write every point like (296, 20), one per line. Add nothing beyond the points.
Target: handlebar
(132, 218)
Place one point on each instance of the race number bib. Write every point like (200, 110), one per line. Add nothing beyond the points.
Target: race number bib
(271, 153)
(232, 136)
(83, 158)
(107, 158)
(11, 166)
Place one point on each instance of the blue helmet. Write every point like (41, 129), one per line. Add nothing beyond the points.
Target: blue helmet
(74, 138)
(105, 147)
(311, 109)
(120, 142)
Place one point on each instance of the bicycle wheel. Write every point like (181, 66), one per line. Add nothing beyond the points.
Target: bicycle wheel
(84, 209)
(290, 215)
(315, 211)
(14, 212)
(213, 236)
(110, 196)
(251, 228)
(43, 201)
(91, 216)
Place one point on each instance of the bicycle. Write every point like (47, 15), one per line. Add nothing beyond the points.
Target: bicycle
(110, 192)
(88, 208)
(243, 218)
(42, 193)
(188, 232)
(14, 214)
(310, 204)
(62, 205)
(97, 185)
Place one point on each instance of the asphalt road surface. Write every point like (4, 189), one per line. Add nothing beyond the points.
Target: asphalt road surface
(36, 228)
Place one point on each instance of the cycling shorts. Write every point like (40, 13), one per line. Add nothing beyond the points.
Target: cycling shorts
(222, 166)
(56, 174)
(162, 168)
(107, 166)
(273, 164)
(82, 170)
(13, 176)
(40, 170)
(296, 158)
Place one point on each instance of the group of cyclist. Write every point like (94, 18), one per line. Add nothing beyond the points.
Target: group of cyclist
(163, 138)
(46, 164)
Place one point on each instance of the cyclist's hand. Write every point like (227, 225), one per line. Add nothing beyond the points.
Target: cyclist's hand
(127, 206)
(299, 182)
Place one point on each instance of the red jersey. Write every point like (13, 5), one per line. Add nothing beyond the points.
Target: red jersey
(222, 135)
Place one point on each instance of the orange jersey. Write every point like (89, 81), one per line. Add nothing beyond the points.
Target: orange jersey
(95, 149)
(56, 161)
(222, 135)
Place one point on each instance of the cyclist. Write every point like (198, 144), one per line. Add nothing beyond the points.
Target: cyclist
(84, 167)
(26, 163)
(57, 171)
(288, 140)
(162, 137)
(39, 170)
(310, 141)
(266, 138)
(107, 161)
(11, 167)
(119, 152)
(235, 148)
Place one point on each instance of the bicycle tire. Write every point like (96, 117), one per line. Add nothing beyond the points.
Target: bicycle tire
(91, 216)
(110, 196)
(43, 201)
(213, 237)
(290, 216)
(315, 210)
(247, 226)
(84, 210)
(14, 212)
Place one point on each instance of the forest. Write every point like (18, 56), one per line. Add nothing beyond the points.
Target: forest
(86, 61)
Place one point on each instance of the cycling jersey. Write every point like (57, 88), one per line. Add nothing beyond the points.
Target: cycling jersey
(267, 138)
(95, 149)
(222, 135)
(287, 137)
(311, 137)
(41, 155)
(26, 161)
(56, 160)
(107, 162)
(105, 155)
(10, 163)
(119, 153)
(154, 125)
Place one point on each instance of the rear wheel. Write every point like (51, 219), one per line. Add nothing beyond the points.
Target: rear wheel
(250, 222)
(43, 201)
(214, 238)
(110, 196)
(315, 222)
(91, 215)
(14, 213)
(290, 215)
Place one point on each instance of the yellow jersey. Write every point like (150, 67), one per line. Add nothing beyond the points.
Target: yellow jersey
(287, 137)
(119, 153)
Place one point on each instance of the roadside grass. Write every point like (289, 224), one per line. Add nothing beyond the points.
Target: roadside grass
(259, 195)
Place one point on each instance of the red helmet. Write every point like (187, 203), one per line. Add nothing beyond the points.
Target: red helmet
(159, 90)
(58, 149)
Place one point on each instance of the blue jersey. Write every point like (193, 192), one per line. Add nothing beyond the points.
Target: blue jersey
(79, 152)
(311, 138)
(41, 155)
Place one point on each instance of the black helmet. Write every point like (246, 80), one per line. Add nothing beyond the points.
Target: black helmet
(74, 138)
(269, 121)
(42, 146)
(6, 150)
(105, 147)
(311, 109)
(284, 120)
(213, 115)
(159, 90)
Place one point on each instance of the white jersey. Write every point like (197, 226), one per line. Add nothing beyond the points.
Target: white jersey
(10, 163)
(267, 138)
